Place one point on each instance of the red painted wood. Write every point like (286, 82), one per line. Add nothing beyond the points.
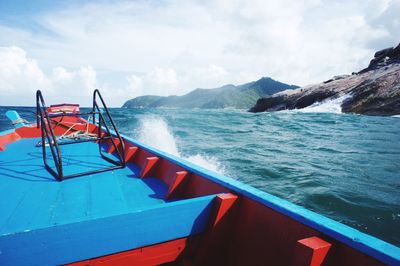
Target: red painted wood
(179, 177)
(148, 165)
(60, 126)
(258, 235)
(311, 251)
(29, 132)
(111, 147)
(63, 108)
(141, 156)
(224, 202)
(7, 139)
(166, 170)
(130, 152)
(71, 123)
(151, 255)
(198, 186)
(210, 248)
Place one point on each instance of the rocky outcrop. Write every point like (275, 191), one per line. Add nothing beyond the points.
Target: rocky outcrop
(383, 58)
(374, 90)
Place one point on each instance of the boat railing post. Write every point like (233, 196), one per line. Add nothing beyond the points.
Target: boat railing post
(44, 121)
(121, 151)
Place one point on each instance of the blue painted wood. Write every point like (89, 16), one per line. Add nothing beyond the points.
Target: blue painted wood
(46, 222)
(367, 244)
(14, 118)
(31, 199)
(61, 244)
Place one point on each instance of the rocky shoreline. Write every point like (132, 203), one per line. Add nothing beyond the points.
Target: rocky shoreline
(374, 90)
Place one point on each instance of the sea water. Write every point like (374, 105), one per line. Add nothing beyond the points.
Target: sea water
(344, 166)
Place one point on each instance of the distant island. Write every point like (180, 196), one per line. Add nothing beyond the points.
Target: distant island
(229, 96)
(374, 90)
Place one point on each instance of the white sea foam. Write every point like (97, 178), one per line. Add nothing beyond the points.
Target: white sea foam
(208, 162)
(154, 131)
(327, 106)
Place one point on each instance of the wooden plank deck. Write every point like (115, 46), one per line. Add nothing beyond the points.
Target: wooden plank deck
(50, 222)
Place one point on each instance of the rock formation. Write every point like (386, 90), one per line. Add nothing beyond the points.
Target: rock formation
(374, 90)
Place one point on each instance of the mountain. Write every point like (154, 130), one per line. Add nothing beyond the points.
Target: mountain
(242, 96)
(374, 90)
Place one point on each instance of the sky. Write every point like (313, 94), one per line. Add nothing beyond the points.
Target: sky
(132, 48)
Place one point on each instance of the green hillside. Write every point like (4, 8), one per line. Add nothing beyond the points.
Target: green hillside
(242, 96)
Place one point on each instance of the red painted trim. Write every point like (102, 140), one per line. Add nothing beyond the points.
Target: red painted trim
(60, 126)
(29, 132)
(148, 165)
(111, 148)
(214, 246)
(311, 251)
(198, 186)
(7, 139)
(224, 202)
(130, 152)
(141, 156)
(151, 255)
(179, 177)
(63, 108)
(166, 170)
(62, 104)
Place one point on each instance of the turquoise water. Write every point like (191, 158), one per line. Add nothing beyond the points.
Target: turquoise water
(344, 166)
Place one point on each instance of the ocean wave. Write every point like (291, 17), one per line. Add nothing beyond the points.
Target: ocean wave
(154, 131)
(327, 106)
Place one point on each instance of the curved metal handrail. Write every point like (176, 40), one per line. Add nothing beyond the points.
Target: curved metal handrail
(43, 120)
(41, 115)
(120, 152)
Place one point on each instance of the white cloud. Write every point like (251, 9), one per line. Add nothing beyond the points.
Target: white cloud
(21, 76)
(162, 81)
(135, 84)
(80, 82)
(18, 73)
(159, 81)
(175, 46)
(215, 72)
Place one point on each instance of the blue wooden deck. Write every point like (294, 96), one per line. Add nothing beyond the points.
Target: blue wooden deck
(91, 215)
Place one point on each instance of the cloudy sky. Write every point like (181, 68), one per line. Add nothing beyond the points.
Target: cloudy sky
(132, 48)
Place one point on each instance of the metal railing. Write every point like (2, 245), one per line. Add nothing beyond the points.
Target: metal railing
(44, 121)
